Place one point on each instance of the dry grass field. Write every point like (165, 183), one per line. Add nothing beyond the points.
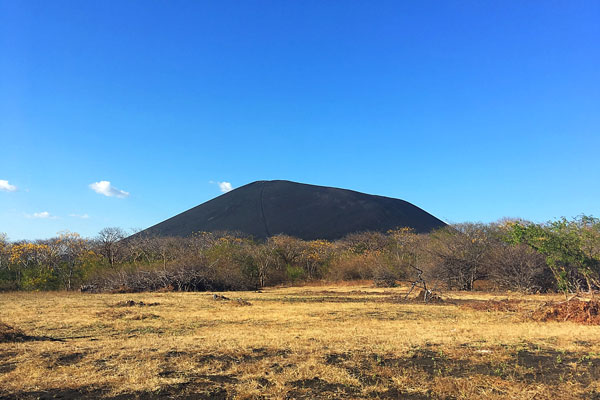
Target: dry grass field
(293, 343)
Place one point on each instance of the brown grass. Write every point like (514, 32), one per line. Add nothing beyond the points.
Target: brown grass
(299, 342)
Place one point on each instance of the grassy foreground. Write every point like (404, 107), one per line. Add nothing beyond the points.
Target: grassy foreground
(296, 343)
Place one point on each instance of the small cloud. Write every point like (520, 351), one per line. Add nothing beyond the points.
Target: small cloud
(41, 215)
(224, 187)
(7, 187)
(82, 216)
(105, 188)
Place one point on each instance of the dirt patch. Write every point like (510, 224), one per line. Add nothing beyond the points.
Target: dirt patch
(113, 314)
(125, 314)
(337, 299)
(217, 378)
(434, 300)
(207, 378)
(264, 382)
(394, 393)
(337, 358)
(236, 302)
(279, 368)
(69, 359)
(139, 317)
(436, 363)
(311, 388)
(133, 303)
(5, 355)
(8, 367)
(62, 360)
(536, 365)
(103, 364)
(242, 302)
(551, 366)
(367, 368)
(528, 364)
(318, 384)
(333, 293)
(186, 391)
(493, 305)
(575, 310)
(10, 334)
(226, 360)
(64, 394)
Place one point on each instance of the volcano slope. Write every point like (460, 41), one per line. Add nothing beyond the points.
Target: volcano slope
(267, 208)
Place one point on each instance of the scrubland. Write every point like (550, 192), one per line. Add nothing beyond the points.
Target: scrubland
(331, 341)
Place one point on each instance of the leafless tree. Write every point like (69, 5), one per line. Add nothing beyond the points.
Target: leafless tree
(4, 251)
(364, 242)
(461, 254)
(109, 243)
(519, 267)
(265, 258)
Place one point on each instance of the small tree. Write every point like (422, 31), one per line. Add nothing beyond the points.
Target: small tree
(68, 252)
(519, 267)
(461, 254)
(265, 259)
(7, 274)
(30, 264)
(315, 257)
(109, 244)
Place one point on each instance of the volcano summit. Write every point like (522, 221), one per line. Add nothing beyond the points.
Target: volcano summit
(268, 208)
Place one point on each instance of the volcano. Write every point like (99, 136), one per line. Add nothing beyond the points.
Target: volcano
(267, 208)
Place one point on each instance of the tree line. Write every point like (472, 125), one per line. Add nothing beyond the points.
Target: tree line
(560, 255)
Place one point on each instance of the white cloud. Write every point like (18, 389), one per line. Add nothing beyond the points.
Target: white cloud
(82, 216)
(4, 185)
(41, 215)
(225, 187)
(105, 188)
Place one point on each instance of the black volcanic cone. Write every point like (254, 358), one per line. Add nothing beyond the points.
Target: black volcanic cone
(268, 208)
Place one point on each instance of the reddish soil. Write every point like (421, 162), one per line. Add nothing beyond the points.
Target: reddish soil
(575, 310)
(493, 305)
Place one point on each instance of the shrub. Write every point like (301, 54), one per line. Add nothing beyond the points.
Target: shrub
(40, 278)
(461, 254)
(294, 273)
(520, 268)
(352, 266)
(384, 277)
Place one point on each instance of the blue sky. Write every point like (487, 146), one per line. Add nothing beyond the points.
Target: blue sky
(472, 110)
